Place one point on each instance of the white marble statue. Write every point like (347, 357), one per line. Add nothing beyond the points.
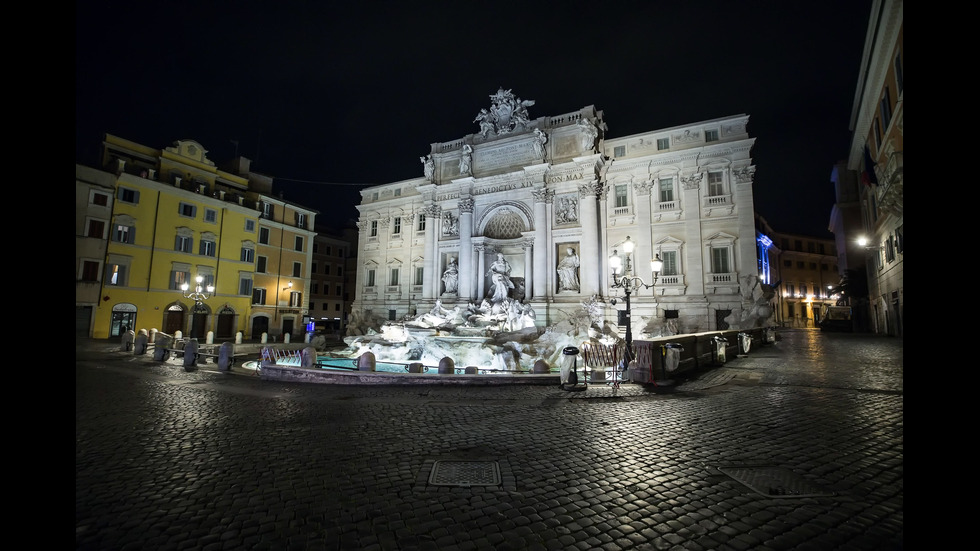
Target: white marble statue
(451, 276)
(466, 160)
(589, 134)
(568, 271)
(499, 274)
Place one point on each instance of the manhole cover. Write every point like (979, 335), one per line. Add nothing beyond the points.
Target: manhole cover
(775, 482)
(465, 473)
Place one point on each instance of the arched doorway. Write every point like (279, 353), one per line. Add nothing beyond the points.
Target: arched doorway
(173, 318)
(225, 328)
(199, 320)
(123, 319)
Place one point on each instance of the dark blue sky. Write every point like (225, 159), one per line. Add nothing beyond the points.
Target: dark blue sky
(329, 99)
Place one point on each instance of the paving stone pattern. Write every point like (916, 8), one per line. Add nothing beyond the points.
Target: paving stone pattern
(206, 460)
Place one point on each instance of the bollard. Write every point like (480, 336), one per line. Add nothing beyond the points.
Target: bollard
(140, 345)
(366, 362)
(160, 352)
(447, 366)
(540, 366)
(190, 355)
(225, 355)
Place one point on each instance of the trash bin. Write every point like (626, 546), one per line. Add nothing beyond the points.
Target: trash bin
(718, 354)
(744, 343)
(569, 367)
(670, 357)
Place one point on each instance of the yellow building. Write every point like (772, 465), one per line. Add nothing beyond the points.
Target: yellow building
(176, 217)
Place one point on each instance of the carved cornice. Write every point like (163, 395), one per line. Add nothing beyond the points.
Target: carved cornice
(693, 181)
(643, 188)
(543, 195)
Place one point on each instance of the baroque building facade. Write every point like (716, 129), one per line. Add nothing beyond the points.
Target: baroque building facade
(172, 216)
(877, 154)
(530, 192)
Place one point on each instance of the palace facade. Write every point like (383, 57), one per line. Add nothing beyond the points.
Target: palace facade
(538, 190)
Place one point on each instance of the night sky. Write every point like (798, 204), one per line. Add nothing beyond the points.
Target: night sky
(330, 98)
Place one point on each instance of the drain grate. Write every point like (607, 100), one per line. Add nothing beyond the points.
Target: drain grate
(775, 482)
(465, 473)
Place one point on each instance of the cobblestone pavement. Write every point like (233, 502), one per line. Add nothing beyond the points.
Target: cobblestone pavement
(797, 446)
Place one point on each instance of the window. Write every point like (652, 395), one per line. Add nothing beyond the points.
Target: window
(820, 248)
(313, 306)
(800, 264)
(187, 209)
(295, 299)
(716, 185)
(297, 269)
(666, 190)
(672, 314)
(899, 79)
(314, 288)
(268, 210)
(90, 271)
(374, 228)
(803, 290)
(299, 243)
(877, 133)
(711, 135)
(621, 195)
(419, 271)
(787, 263)
(370, 278)
(619, 151)
(248, 254)
(326, 269)
(250, 226)
(374, 196)
(179, 276)
(789, 289)
(300, 220)
(393, 280)
(127, 195)
(339, 291)
(258, 296)
(398, 192)
(124, 234)
(183, 243)
(340, 270)
(824, 267)
(260, 264)
(210, 215)
(397, 225)
(799, 245)
(719, 260)
(886, 108)
(313, 267)
(100, 199)
(663, 143)
(326, 250)
(264, 236)
(420, 225)
(336, 307)
(96, 228)
(670, 263)
(115, 274)
(208, 248)
(245, 286)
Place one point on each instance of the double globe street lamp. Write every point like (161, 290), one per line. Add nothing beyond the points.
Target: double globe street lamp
(629, 282)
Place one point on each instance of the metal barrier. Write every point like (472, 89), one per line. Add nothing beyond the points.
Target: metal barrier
(606, 360)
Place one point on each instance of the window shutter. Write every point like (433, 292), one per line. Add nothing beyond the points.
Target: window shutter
(131, 235)
(136, 197)
(177, 243)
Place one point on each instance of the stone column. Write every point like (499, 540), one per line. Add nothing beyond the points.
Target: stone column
(588, 216)
(542, 198)
(480, 271)
(695, 255)
(644, 242)
(466, 249)
(430, 283)
(529, 272)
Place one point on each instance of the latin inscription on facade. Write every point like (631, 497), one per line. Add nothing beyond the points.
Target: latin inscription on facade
(490, 159)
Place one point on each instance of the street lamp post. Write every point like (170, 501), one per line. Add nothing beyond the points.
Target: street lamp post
(629, 283)
(200, 293)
